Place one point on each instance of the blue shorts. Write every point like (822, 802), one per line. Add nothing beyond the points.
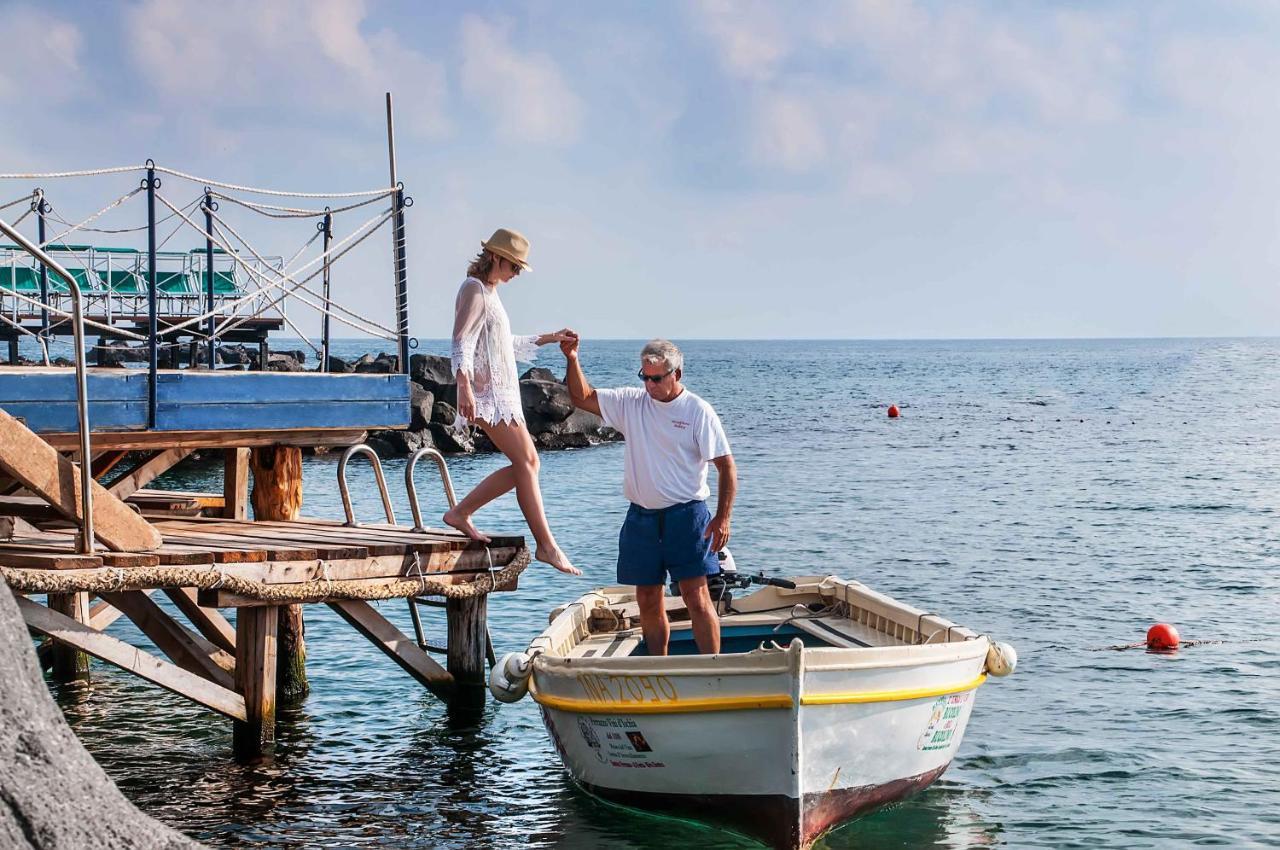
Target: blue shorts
(654, 543)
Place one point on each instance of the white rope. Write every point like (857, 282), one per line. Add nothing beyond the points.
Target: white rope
(50, 175)
(117, 202)
(232, 186)
(292, 212)
(284, 279)
(54, 215)
(329, 304)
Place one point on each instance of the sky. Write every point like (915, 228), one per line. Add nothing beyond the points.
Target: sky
(705, 169)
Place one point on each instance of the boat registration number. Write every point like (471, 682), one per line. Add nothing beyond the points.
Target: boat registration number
(610, 689)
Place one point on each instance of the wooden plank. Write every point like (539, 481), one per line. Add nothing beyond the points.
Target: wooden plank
(12, 557)
(398, 647)
(204, 500)
(42, 470)
(256, 679)
(215, 439)
(169, 635)
(208, 621)
(147, 471)
(103, 614)
(235, 483)
(129, 658)
(61, 549)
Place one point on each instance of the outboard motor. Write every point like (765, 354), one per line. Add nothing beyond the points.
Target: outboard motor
(721, 584)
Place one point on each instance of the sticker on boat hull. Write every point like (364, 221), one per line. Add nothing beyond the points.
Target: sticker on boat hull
(618, 742)
(944, 722)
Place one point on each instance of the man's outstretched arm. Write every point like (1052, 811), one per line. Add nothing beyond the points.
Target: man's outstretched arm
(580, 391)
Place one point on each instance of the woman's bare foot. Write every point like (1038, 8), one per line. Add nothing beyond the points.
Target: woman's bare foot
(464, 524)
(553, 556)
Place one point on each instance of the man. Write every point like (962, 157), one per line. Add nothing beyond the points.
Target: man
(671, 437)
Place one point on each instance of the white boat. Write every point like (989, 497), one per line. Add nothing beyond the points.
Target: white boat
(826, 701)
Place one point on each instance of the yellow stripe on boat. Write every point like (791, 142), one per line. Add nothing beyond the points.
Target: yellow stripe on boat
(891, 696)
(741, 703)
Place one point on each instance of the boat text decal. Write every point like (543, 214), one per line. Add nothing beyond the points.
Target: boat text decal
(617, 742)
(609, 689)
(944, 721)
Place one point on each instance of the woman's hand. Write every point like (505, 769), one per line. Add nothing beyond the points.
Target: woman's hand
(562, 335)
(466, 400)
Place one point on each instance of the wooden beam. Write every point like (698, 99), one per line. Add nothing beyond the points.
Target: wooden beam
(208, 621)
(235, 483)
(396, 645)
(42, 470)
(168, 634)
(130, 658)
(256, 680)
(104, 462)
(277, 496)
(147, 471)
(70, 666)
(141, 440)
(467, 649)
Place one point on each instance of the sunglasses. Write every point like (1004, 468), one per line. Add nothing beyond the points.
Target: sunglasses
(657, 379)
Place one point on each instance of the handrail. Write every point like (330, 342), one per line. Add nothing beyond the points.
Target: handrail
(363, 448)
(85, 544)
(413, 490)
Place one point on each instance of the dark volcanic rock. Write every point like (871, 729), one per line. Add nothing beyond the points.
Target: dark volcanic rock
(383, 364)
(339, 366)
(431, 369)
(449, 441)
(238, 355)
(537, 373)
(544, 402)
(54, 795)
(280, 361)
(401, 442)
(421, 403)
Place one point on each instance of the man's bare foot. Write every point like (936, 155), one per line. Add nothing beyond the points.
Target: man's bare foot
(557, 559)
(464, 524)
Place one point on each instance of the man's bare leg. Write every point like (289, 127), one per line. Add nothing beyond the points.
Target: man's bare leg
(702, 614)
(653, 617)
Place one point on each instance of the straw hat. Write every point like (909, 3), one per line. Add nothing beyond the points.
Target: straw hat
(511, 245)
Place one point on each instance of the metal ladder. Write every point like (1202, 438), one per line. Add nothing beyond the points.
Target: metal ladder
(411, 488)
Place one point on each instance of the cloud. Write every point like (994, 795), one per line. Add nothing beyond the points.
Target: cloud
(42, 54)
(312, 57)
(525, 94)
(750, 41)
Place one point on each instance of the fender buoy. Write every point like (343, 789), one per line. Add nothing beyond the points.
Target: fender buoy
(1162, 636)
(893, 411)
(509, 678)
(1002, 659)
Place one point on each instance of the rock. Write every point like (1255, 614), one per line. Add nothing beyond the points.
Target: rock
(448, 441)
(431, 369)
(381, 445)
(421, 403)
(401, 442)
(55, 796)
(443, 413)
(383, 364)
(570, 440)
(279, 361)
(537, 373)
(339, 366)
(545, 403)
(238, 355)
(119, 353)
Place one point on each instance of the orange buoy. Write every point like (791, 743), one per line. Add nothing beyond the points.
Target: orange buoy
(1162, 636)
(893, 411)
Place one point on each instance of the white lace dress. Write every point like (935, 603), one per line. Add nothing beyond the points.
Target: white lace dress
(485, 350)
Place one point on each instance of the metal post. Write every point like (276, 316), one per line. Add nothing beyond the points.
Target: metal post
(327, 227)
(397, 248)
(42, 207)
(85, 542)
(209, 207)
(152, 183)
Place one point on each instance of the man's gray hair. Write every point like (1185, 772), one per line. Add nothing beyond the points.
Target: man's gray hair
(662, 351)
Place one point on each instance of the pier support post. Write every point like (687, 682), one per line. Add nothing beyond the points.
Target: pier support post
(468, 641)
(256, 680)
(70, 666)
(235, 484)
(277, 495)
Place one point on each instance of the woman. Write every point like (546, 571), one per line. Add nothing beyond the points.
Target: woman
(484, 363)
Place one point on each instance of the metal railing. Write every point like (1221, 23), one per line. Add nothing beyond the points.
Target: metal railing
(85, 544)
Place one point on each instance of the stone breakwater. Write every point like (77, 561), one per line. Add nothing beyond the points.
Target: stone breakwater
(552, 419)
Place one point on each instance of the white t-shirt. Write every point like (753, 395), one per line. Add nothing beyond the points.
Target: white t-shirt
(668, 447)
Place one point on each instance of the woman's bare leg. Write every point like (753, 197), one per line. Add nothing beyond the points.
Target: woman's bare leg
(513, 440)
(494, 485)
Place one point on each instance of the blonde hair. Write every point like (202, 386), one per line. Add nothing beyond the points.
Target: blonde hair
(482, 265)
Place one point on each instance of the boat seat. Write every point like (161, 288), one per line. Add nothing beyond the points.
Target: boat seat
(844, 633)
(609, 645)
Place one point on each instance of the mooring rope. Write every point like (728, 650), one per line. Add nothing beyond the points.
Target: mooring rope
(276, 192)
(51, 175)
(215, 577)
(293, 212)
(117, 202)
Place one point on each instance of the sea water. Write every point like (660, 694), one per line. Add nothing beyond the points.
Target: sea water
(1060, 495)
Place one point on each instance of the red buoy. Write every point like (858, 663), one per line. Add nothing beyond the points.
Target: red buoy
(893, 411)
(1162, 636)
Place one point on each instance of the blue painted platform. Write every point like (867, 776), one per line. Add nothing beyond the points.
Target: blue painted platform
(194, 400)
